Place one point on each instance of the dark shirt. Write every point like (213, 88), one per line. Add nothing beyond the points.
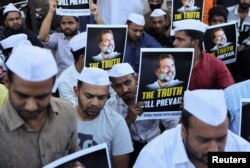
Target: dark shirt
(161, 38)
(132, 53)
(210, 73)
(32, 37)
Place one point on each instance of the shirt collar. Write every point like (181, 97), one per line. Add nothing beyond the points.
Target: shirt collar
(14, 121)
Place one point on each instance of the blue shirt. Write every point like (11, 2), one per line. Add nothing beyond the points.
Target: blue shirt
(132, 53)
(233, 94)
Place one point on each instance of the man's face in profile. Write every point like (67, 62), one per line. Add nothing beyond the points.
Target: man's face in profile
(107, 45)
(166, 72)
(188, 3)
(220, 38)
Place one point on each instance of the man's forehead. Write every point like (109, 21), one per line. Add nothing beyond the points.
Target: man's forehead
(116, 80)
(158, 18)
(67, 18)
(95, 89)
(13, 14)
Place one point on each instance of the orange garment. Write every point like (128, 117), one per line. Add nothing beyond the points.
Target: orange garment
(208, 4)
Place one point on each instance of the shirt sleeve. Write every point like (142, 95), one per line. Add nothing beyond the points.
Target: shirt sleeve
(122, 143)
(66, 92)
(224, 76)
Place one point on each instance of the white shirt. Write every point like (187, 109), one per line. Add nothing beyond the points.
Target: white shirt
(143, 131)
(117, 11)
(168, 150)
(63, 56)
(67, 80)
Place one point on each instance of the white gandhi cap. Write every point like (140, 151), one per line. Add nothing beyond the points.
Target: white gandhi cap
(10, 8)
(208, 106)
(190, 24)
(136, 18)
(119, 70)
(157, 13)
(32, 63)
(78, 42)
(14, 40)
(94, 76)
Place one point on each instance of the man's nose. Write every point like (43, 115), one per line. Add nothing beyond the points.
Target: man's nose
(30, 105)
(95, 101)
(213, 147)
(124, 89)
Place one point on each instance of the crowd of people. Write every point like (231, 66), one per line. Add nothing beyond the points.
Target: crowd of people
(52, 106)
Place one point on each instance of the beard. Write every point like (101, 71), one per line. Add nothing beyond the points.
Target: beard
(89, 111)
(29, 115)
(16, 29)
(193, 154)
(244, 6)
(69, 33)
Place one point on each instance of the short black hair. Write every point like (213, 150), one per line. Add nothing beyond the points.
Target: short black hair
(6, 14)
(76, 18)
(185, 117)
(78, 53)
(218, 10)
(194, 34)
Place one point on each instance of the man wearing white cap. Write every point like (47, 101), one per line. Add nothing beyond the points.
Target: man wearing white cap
(8, 44)
(159, 28)
(208, 71)
(69, 77)
(153, 4)
(35, 129)
(96, 123)
(137, 39)
(124, 82)
(14, 25)
(203, 129)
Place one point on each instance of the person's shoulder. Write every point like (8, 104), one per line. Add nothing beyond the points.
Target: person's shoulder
(112, 114)
(236, 143)
(165, 142)
(67, 72)
(62, 106)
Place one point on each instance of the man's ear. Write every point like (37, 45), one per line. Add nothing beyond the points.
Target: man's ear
(76, 91)
(6, 80)
(183, 132)
(196, 43)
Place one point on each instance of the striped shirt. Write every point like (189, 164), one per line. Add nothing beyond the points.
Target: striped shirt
(233, 96)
